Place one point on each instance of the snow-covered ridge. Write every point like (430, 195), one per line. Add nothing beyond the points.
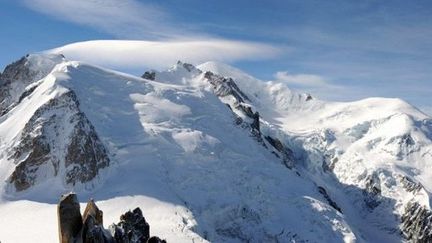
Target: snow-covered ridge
(211, 153)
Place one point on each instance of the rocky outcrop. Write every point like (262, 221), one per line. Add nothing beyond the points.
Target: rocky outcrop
(225, 86)
(150, 75)
(58, 141)
(417, 223)
(69, 218)
(287, 154)
(132, 228)
(189, 67)
(372, 192)
(20, 74)
(410, 185)
(330, 201)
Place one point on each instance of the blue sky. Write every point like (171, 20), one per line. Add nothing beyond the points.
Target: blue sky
(336, 50)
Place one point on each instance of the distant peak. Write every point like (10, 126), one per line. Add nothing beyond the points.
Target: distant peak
(189, 67)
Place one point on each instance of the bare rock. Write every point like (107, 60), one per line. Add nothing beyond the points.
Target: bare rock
(20, 74)
(417, 223)
(133, 228)
(287, 153)
(69, 218)
(48, 144)
(92, 210)
(410, 185)
(372, 192)
(150, 75)
(329, 199)
(225, 86)
(155, 239)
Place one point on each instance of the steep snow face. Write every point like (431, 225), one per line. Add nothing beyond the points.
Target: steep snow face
(374, 150)
(177, 153)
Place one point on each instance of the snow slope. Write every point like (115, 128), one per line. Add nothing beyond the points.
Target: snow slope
(178, 151)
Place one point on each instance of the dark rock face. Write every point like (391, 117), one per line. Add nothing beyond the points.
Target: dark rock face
(89, 229)
(225, 86)
(58, 139)
(189, 67)
(328, 198)
(93, 211)
(150, 75)
(287, 154)
(69, 218)
(410, 185)
(85, 154)
(132, 227)
(15, 79)
(155, 239)
(417, 223)
(372, 192)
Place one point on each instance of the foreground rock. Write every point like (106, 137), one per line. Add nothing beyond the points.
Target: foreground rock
(69, 218)
(132, 228)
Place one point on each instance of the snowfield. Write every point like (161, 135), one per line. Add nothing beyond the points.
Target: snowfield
(178, 151)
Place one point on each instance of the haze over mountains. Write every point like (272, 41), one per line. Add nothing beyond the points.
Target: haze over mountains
(209, 153)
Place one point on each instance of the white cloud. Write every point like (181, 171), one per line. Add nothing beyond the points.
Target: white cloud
(159, 54)
(122, 18)
(308, 80)
(166, 39)
(313, 84)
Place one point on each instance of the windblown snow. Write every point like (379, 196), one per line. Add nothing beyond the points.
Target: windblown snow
(178, 152)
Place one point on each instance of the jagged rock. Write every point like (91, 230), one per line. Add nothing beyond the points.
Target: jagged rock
(155, 239)
(287, 154)
(18, 75)
(410, 185)
(188, 66)
(92, 210)
(255, 123)
(93, 232)
(150, 75)
(417, 223)
(132, 228)
(328, 198)
(372, 191)
(43, 139)
(69, 218)
(225, 86)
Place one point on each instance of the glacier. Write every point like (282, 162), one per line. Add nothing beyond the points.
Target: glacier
(210, 154)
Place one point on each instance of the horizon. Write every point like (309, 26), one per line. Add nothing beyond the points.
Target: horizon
(339, 50)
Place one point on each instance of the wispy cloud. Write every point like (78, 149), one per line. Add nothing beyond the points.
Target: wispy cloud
(305, 80)
(159, 54)
(167, 40)
(314, 84)
(121, 18)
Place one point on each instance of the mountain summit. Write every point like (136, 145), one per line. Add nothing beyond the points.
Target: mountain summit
(209, 153)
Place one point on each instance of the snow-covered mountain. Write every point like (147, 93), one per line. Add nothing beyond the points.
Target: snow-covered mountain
(209, 153)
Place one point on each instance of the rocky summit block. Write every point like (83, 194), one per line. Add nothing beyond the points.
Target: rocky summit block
(69, 218)
(74, 228)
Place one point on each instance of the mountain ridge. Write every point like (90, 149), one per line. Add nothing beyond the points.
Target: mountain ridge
(205, 131)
